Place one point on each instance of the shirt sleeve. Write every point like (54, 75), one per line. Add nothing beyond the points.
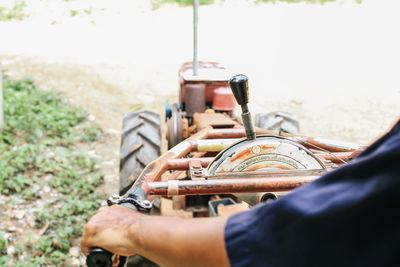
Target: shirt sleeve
(345, 218)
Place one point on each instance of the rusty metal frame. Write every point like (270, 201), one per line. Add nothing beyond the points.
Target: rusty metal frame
(215, 140)
(228, 186)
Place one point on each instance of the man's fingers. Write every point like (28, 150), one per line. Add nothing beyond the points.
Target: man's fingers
(85, 249)
(116, 261)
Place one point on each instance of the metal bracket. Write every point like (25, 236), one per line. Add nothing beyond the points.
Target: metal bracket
(196, 170)
(141, 205)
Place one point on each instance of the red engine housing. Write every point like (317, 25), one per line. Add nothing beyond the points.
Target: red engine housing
(213, 76)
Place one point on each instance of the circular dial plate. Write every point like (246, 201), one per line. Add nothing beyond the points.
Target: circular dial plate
(263, 154)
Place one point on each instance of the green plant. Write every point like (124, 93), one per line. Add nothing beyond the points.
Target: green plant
(16, 12)
(73, 13)
(37, 148)
(3, 247)
(3, 242)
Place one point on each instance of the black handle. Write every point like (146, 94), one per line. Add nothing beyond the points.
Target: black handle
(99, 257)
(240, 88)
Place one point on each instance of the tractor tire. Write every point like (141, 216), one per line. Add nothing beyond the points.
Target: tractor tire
(140, 145)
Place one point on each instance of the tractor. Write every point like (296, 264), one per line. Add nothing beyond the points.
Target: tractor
(217, 163)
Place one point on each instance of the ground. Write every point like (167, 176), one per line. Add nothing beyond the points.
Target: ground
(332, 66)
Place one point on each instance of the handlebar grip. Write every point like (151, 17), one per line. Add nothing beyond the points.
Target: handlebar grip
(99, 257)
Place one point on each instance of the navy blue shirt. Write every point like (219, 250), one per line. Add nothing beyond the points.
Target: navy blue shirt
(348, 217)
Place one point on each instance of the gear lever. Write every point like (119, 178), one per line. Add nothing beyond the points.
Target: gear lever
(240, 88)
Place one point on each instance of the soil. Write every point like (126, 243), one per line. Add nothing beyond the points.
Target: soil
(338, 77)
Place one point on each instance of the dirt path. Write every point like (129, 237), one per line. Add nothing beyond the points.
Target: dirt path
(339, 77)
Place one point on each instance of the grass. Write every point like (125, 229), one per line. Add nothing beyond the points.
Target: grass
(38, 149)
(16, 12)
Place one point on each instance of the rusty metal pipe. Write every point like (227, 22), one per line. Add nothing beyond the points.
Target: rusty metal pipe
(156, 168)
(175, 175)
(309, 142)
(255, 198)
(329, 145)
(336, 157)
(238, 133)
(227, 186)
(212, 145)
(183, 164)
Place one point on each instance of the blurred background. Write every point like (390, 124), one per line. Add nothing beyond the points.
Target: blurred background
(333, 64)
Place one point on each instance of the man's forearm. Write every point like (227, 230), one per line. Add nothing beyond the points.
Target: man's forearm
(168, 241)
(172, 241)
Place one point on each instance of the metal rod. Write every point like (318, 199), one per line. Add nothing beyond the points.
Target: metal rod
(212, 145)
(175, 175)
(195, 21)
(183, 164)
(329, 145)
(308, 142)
(336, 157)
(156, 168)
(248, 124)
(225, 186)
(238, 133)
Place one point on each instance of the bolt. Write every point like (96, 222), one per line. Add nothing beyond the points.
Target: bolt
(256, 149)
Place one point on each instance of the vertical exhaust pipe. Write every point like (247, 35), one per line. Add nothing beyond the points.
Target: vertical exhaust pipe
(195, 21)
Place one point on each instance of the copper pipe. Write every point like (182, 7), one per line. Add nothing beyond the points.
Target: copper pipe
(238, 133)
(183, 164)
(336, 157)
(176, 174)
(308, 142)
(212, 145)
(156, 168)
(329, 145)
(227, 186)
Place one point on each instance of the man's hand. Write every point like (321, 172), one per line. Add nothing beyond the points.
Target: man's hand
(167, 241)
(112, 229)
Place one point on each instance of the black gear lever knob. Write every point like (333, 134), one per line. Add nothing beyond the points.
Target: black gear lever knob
(240, 88)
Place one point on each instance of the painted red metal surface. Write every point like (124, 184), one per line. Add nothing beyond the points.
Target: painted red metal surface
(211, 84)
(223, 99)
(217, 120)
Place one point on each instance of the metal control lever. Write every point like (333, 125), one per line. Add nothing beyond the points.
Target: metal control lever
(240, 88)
